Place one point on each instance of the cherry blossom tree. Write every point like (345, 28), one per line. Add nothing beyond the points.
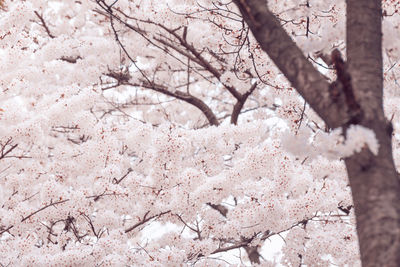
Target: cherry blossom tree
(175, 133)
(373, 177)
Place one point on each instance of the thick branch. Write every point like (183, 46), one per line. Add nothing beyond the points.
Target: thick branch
(188, 98)
(159, 88)
(220, 208)
(288, 57)
(200, 105)
(240, 103)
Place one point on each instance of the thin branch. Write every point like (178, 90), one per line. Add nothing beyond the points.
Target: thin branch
(44, 25)
(4, 154)
(145, 220)
(117, 181)
(43, 208)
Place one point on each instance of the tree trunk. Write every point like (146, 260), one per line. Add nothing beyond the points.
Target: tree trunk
(373, 179)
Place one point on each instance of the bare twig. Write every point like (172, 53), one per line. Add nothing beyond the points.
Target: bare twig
(43, 208)
(44, 25)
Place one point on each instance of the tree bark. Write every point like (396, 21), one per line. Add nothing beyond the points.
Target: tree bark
(373, 178)
(290, 60)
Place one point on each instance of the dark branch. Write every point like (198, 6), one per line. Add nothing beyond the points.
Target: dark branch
(44, 25)
(288, 57)
(145, 220)
(239, 105)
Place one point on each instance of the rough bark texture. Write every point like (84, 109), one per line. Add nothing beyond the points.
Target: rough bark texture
(373, 179)
(288, 57)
